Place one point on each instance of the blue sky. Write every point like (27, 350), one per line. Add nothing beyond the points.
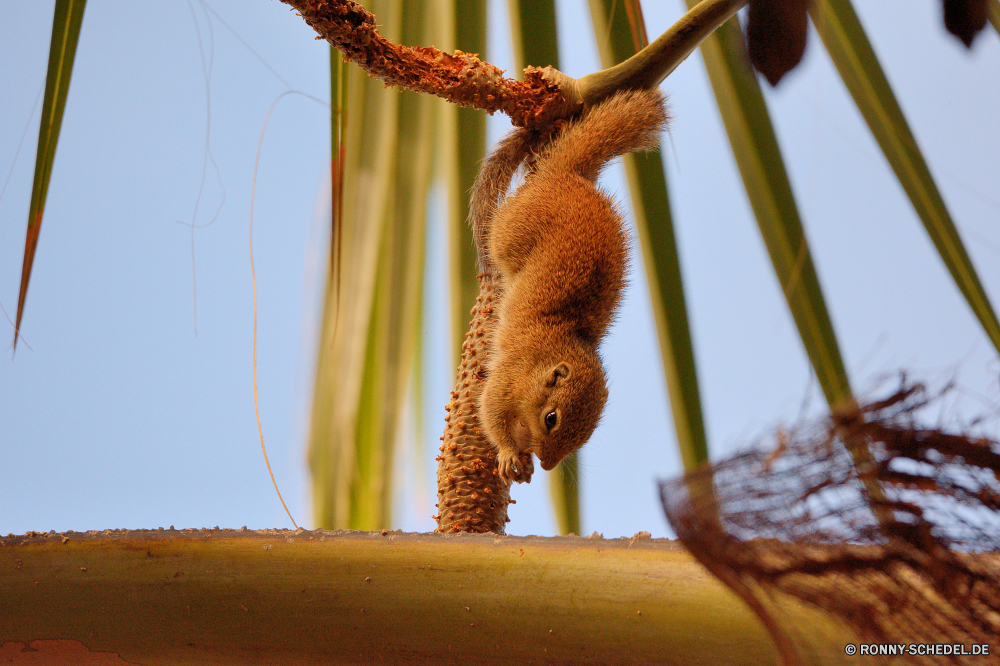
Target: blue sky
(119, 415)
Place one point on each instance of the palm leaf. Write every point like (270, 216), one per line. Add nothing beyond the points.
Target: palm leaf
(993, 12)
(366, 363)
(348, 331)
(533, 33)
(338, 123)
(66, 24)
(394, 335)
(464, 144)
(758, 157)
(535, 41)
(620, 34)
(848, 46)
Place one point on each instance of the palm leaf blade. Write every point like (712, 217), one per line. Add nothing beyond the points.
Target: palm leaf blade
(464, 144)
(535, 42)
(758, 157)
(851, 52)
(620, 34)
(342, 399)
(66, 24)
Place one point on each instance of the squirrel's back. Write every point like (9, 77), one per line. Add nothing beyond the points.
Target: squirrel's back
(559, 249)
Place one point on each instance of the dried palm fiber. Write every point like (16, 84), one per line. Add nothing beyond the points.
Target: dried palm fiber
(796, 524)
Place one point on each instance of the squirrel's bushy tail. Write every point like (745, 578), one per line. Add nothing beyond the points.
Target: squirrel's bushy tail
(491, 186)
(629, 120)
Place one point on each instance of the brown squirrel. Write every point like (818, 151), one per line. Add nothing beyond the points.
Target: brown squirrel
(559, 251)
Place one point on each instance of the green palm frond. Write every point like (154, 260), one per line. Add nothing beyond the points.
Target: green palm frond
(464, 145)
(993, 13)
(620, 34)
(346, 376)
(66, 24)
(758, 157)
(848, 46)
(371, 333)
(535, 41)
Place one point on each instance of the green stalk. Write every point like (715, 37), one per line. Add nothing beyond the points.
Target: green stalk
(301, 597)
(66, 22)
(656, 61)
(621, 32)
(536, 42)
(845, 40)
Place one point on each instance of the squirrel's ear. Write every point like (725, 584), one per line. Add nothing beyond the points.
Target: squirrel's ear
(561, 371)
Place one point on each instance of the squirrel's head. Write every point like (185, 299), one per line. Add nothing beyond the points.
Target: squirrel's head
(559, 407)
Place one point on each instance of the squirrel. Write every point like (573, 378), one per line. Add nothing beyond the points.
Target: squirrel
(558, 249)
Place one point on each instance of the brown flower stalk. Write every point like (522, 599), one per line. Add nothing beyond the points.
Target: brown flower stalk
(471, 496)
(461, 78)
(546, 94)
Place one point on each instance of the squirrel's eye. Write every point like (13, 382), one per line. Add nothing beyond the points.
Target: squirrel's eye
(550, 419)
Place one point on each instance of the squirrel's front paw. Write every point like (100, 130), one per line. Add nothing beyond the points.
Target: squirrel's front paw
(515, 466)
(525, 467)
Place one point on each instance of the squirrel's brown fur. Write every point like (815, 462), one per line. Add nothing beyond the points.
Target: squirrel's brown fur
(560, 252)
